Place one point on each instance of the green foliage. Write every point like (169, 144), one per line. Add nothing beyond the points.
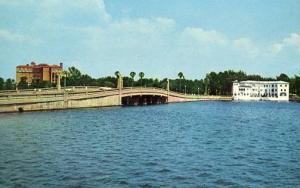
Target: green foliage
(74, 73)
(132, 75)
(40, 84)
(23, 84)
(294, 83)
(74, 77)
(181, 76)
(9, 84)
(141, 75)
(283, 77)
(214, 83)
(117, 74)
(2, 83)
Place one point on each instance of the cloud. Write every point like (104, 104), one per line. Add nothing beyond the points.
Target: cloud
(205, 37)
(276, 48)
(9, 36)
(14, 2)
(143, 25)
(84, 34)
(293, 39)
(246, 46)
(102, 9)
(92, 6)
(289, 43)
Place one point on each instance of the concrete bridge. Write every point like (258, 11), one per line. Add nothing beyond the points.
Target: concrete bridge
(88, 97)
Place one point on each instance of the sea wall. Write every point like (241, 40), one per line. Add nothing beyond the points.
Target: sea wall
(174, 99)
(60, 104)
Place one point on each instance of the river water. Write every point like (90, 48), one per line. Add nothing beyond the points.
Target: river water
(200, 144)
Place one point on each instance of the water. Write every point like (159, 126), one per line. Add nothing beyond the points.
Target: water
(201, 144)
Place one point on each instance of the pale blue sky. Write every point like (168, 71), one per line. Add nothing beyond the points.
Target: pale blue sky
(157, 37)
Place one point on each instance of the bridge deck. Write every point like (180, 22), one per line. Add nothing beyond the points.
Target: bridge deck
(85, 93)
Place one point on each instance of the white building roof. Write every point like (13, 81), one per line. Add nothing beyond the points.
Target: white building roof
(264, 82)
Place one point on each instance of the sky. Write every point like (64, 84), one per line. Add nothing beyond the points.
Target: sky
(159, 38)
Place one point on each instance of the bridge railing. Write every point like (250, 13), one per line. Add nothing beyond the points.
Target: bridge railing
(152, 90)
(54, 93)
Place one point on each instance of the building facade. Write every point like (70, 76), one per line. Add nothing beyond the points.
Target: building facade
(38, 72)
(261, 90)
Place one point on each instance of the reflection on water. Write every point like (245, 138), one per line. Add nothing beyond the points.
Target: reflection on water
(208, 144)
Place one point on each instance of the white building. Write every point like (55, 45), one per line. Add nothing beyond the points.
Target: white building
(261, 90)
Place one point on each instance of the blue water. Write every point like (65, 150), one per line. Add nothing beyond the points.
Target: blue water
(201, 144)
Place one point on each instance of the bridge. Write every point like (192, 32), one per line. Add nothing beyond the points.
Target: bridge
(88, 97)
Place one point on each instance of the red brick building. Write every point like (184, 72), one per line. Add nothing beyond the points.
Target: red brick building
(38, 72)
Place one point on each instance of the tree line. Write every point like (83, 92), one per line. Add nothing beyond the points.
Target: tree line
(214, 83)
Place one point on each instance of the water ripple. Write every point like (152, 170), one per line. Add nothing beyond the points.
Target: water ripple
(203, 144)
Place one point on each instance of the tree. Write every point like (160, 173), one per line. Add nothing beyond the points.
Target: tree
(283, 77)
(132, 75)
(74, 76)
(180, 75)
(74, 72)
(1, 83)
(23, 84)
(141, 74)
(40, 84)
(206, 81)
(117, 74)
(85, 80)
(9, 84)
(214, 83)
(297, 85)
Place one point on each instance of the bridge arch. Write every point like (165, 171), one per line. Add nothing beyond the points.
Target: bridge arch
(144, 99)
(143, 96)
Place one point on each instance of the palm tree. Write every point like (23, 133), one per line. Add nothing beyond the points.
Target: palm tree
(132, 75)
(65, 74)
(180, 75)
(74, 73)
(141, 74)
(117, 74)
